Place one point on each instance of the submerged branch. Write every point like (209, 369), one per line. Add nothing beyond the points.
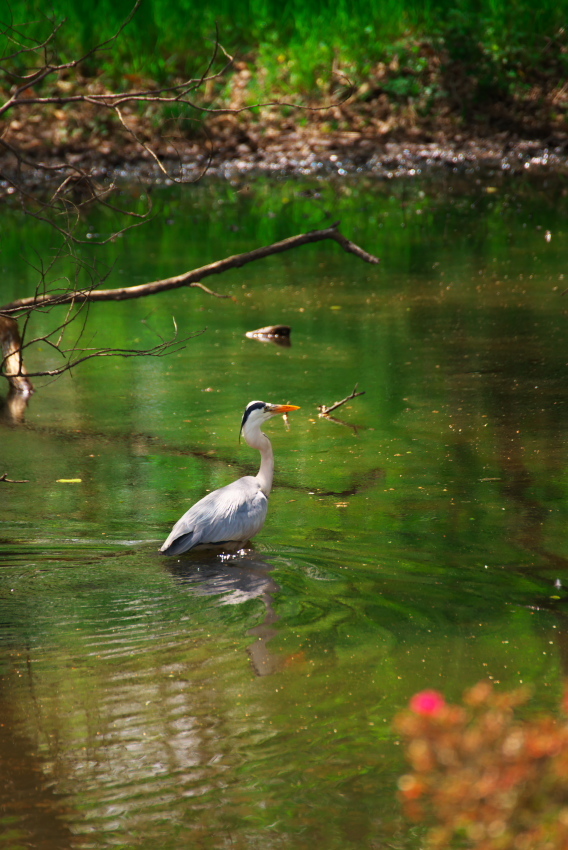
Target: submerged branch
(191, 278)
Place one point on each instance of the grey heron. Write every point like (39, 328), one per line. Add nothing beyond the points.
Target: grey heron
(232, 515)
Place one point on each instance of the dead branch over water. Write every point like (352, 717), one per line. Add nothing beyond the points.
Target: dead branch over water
(191, 278)
(12, 361)
(325, 411)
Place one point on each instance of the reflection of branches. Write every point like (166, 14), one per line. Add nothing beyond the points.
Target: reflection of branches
(342, 422)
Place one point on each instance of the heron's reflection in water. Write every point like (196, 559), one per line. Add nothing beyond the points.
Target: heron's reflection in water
(235, 579)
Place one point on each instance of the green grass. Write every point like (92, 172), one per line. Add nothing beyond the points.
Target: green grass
(295, 47)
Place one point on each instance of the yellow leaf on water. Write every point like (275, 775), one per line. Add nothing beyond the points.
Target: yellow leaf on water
(68, 480)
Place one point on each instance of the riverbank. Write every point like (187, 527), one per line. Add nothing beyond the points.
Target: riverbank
(276, 138)
(297, 151)
(309, 92)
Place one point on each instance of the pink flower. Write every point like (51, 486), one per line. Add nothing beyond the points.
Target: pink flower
(427, 702)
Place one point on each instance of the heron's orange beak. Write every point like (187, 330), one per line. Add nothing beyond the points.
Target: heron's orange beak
(284, 408)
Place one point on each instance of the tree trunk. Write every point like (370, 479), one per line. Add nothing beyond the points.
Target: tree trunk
(12, 365)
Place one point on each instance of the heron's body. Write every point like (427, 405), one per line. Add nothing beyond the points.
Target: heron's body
(231, 516)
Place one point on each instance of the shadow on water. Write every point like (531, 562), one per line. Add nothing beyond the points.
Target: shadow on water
(236, 579)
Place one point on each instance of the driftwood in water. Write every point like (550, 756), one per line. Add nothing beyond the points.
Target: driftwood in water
(278, 334)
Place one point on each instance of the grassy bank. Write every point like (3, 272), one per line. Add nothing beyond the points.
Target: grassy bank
(493, 64)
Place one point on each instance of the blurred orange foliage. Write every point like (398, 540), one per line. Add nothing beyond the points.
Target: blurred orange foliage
(485, 775)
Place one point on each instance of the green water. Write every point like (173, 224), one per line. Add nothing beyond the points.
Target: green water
(419, 542)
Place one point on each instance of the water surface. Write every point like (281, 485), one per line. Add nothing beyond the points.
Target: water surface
(417, 541)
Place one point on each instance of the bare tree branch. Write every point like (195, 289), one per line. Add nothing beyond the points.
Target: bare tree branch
(325, 411)
(74, 356)
(166, 347)
(15, 340)
(28, 92)
(37, 76)
(191, 278)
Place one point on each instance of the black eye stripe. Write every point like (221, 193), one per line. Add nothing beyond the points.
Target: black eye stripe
(254, 405)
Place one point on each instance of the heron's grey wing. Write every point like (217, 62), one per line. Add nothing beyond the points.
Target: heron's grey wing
(232, 513)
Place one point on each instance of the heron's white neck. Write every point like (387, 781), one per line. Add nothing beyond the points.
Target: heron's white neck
(257, 440)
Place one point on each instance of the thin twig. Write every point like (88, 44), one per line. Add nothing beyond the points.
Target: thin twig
(325, 411)
(206, 289)
(169, 346)
(4, 477)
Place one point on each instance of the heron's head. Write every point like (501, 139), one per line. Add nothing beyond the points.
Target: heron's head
(258, 412)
